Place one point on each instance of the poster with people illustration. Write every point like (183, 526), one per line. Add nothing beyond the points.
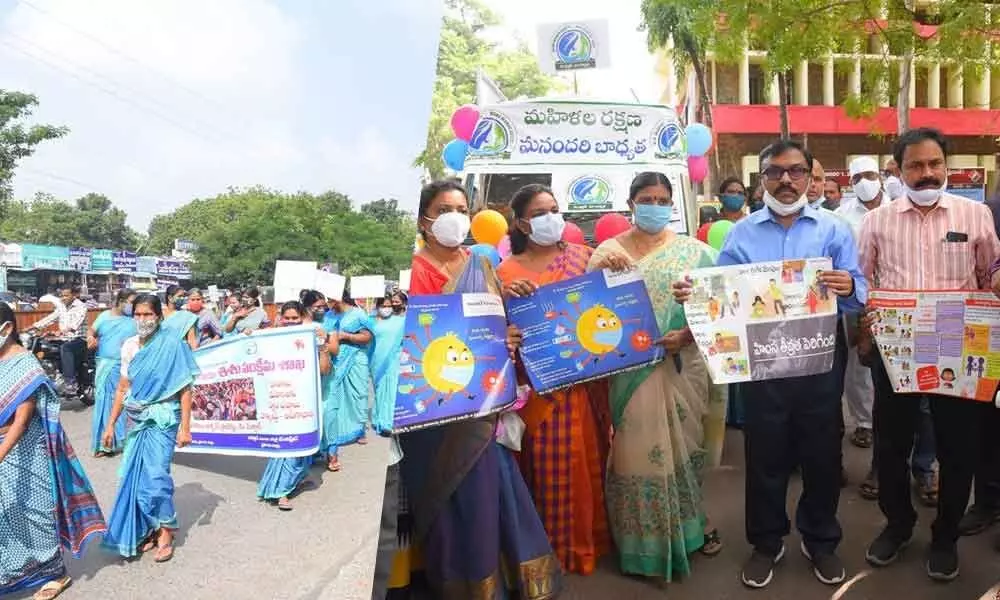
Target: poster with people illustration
(454, 363)
(585, 328)
(939, 342)
(763, 321)
(257, 395)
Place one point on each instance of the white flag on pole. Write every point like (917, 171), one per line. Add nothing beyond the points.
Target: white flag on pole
(487, 91)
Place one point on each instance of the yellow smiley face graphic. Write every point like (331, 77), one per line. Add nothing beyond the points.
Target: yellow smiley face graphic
(448, 364)
(599, 330)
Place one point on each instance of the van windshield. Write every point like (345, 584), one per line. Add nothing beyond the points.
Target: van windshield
(497, 189)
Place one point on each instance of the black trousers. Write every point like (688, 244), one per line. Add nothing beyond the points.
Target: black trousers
(956, 432)
(787, 419)
(387, 540)
(987, 477)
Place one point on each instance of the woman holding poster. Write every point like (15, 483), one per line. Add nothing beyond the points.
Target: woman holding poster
(566, 440)
(470, 516)
(158, 370)
(108, 334)
(283, 476)
(668, 418)
(384, 361)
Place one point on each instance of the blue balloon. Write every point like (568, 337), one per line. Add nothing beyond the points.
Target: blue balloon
(454, 155)
(487, 251)
(699, 139)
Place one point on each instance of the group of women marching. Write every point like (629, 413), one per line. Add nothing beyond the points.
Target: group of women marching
(619, 460)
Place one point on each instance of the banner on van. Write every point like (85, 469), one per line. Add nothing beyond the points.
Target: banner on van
(576, 133)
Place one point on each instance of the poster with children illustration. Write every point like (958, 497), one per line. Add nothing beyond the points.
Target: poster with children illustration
(939, 342)
(454, 363)
(763, 321)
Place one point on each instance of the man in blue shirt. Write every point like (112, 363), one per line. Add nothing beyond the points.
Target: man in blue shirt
(795, 419)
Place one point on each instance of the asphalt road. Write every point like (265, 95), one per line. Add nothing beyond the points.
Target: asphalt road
(232, 546)
(718, 578)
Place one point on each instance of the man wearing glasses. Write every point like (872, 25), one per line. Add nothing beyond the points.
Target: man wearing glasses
(795, 417)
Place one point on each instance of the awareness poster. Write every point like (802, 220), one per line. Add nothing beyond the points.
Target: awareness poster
(939, 342)
(454, 363)
(585, 328)
(258, 395)
(763, 321)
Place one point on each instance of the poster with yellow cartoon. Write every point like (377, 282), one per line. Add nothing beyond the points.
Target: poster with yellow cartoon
(763, 321)
(454, 363)
(585, 328)
(945, 343)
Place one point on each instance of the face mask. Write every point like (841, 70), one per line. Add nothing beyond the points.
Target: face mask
(784, 210)
(318, 314)
(451, 229)
(385, 313)
(146, 327)
(925, 197)
(652, 218)
(867, 189)
(894, 187)
(195, 306)
(547, 229)
(179, 303)
(127, 310)
(458, 374)
(5, 326)
(732, 202)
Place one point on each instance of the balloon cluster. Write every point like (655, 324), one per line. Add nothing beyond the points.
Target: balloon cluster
(463, 125)
(699, 142)
(714, 234)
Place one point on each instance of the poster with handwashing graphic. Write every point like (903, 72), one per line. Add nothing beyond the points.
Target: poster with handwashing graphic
(585, 328)
(939, 342)
(454, 364)
(763, 321)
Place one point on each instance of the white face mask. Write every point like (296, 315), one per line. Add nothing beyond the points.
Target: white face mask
(451, 229)
(894, 187)
(781, 209)
(547, 229)
(385, 313)
(867, 189)
(926, 197)
(146, 327)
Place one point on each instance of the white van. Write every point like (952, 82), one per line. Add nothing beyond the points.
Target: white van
(588, 152)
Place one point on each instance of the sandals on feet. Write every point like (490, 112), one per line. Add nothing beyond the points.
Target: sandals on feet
(52, 589)
(927, 491)
(284, 504)
(869, 488)
(147, 544)
(164, 553)
(863, 438)
(713, 543)
(333, 466)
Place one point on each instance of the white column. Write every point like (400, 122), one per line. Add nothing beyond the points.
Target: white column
(994, 76)
(956, 86)
(744, 78)
(802, 84)
(981, 91)
(829, 95)
(772, 91)
(854, 79)
(934, 86)
(913, 84)
(715, 84)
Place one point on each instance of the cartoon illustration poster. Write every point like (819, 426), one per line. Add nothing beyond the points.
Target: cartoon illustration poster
(764, 320)
(939, 342)
(454, 364)
(585, 328)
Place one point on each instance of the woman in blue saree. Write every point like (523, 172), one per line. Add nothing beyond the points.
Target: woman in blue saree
(108, 334)
(346, 389)
(158, 370)
(384, 359)
(181, 322)
(207, 328)
(46, 501)
(467, 522)
(284, 476)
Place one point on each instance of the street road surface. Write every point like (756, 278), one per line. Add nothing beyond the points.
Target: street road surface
(232, 546)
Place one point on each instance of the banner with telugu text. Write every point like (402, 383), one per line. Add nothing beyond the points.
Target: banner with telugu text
(936, 342)
(763, 321)
(258, 395)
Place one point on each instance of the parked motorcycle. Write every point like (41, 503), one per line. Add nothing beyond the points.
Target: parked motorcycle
(46, 349)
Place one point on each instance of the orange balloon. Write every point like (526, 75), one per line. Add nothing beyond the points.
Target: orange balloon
(489, 227)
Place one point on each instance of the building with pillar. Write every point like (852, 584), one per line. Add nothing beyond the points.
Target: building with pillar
(746, 117)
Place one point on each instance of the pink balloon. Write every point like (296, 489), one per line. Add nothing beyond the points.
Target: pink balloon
(609, 226)
(573, 234)
(504, 247)
(463, 122)
(697, 168)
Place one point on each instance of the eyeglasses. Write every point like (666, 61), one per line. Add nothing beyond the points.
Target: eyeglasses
(795, 172)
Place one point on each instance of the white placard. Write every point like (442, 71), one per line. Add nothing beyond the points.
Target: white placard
(213, 293)
(330, 285)
(404, 280)
(368, 286)
(573, 45)
(291, 277)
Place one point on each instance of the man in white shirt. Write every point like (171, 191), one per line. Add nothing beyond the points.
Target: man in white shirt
(71, 316)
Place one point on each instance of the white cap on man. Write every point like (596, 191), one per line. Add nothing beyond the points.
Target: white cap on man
(863, 164)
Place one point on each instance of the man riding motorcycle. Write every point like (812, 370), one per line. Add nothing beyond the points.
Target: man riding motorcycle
(71, 315)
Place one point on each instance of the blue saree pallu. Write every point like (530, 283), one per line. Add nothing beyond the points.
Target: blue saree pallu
(112, 331)
(345, 390)
(281, 477)
(181, 322)
(385, 370)
(47, 504)
(145, 501)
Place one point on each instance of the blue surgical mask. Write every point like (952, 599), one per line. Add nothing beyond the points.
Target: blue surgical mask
(127, 310)
(459, 375)
(732, 202)
(179, 302)
(609, 338)
(653, 218)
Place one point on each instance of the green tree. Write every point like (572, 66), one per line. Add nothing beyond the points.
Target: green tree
(90, 221)
(461, 51)
(18, 140)
(387, 212)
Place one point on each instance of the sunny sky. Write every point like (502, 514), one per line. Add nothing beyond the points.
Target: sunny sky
(169, 100)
